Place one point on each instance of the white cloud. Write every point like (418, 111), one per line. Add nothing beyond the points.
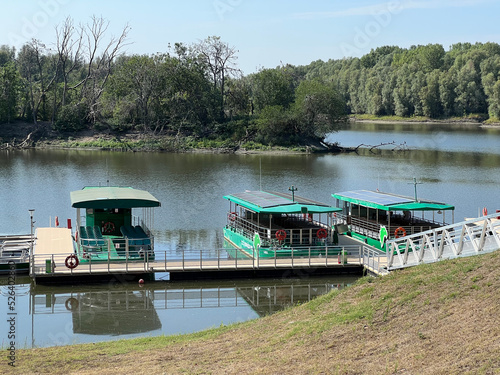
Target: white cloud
(391, 6)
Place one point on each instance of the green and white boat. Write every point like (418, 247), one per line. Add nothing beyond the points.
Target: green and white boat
(374, 217)
(108, 229)
(269, 224)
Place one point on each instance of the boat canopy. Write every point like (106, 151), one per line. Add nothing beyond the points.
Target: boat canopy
(278, 203)
(390, 202)
(112, 197)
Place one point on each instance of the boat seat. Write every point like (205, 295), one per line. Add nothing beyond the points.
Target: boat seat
(100, 241)
(129, 233)
(140, 234)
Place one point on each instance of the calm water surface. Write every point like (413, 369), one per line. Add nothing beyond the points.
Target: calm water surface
(460, 167)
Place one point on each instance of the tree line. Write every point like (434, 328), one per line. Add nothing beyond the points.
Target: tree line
(85, 81)
(418, 81)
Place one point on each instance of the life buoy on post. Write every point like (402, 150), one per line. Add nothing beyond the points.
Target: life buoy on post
(321, 233)
(72, 261)
(108, 227)
(400, 232)
(281, 235)
(232, 216)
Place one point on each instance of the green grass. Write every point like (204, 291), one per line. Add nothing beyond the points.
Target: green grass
(376, 324)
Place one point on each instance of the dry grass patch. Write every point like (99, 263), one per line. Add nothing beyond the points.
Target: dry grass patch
(432, 319)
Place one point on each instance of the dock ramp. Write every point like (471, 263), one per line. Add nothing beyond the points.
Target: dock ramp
(467, 238)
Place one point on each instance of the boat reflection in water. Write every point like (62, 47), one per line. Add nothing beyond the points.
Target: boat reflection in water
(90, 313)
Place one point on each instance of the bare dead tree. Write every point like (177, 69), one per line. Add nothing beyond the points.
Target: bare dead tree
(69, 52)
(220, 59)
(99, 58)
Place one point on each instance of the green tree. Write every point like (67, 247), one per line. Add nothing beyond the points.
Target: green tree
(431, 101)
(318, 108)
(272, 87)
(9, 92)
(470, 95)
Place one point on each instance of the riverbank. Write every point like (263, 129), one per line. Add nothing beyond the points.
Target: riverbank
(23, 135)
(477, 120)
(440, 318)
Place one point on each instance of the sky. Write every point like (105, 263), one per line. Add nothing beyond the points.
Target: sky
(266, 34)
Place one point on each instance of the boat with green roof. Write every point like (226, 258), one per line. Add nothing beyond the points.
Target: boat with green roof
(375, 217)
(268, 224)
(108, 226)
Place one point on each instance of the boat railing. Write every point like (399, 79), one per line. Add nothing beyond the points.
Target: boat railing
(371, 229)
(294, 235)
(129, 247)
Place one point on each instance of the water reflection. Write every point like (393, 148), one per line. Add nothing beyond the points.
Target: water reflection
(88, 313)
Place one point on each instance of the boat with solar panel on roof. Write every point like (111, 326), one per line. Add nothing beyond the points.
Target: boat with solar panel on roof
(375, 217)
(268, 224)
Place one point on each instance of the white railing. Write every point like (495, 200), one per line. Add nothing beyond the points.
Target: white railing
(194, 260)
(375, 260)
(471, 237)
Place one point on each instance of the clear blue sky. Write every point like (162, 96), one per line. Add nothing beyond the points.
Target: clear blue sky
(266, 33)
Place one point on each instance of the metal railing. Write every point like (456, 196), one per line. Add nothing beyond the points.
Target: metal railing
(375, 260)
(467, 238)
(372, 229)
(194, 260)
(303, 234)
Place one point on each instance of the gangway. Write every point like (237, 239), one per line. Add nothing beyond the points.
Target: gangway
(471, 237)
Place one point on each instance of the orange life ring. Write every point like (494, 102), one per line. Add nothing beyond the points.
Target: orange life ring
(108, 227)
(72, 261)
(321, 233)
(398, 231)
(232, 216)
(281, 235)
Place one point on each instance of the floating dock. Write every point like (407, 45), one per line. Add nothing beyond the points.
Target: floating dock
(53, 246)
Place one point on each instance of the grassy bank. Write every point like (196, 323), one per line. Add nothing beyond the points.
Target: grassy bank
(471, 118)
(432, 319)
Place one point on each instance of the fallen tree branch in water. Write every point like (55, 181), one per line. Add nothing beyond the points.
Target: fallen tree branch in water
(398, 147)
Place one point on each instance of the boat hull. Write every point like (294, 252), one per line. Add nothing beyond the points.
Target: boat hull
(16, 267)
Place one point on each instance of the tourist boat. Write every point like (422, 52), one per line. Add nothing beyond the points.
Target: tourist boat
(271, 224)
(375, 217)
(107, 229)
(15, 253)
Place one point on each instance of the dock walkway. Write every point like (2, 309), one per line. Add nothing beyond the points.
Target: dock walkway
(471, 237)
(48, 262)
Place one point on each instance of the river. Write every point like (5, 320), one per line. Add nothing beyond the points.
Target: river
(458, 165)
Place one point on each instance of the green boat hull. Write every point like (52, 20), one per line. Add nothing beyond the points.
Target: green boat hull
(245, 245)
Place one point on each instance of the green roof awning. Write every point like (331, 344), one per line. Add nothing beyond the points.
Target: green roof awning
(390, 202)
(276, 203)
(112, 197)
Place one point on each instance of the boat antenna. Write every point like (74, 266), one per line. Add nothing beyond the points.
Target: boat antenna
(293, 189)
(260, 172)
(415, 183)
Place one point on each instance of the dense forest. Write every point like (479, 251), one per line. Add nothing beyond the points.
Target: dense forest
(85, 81)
